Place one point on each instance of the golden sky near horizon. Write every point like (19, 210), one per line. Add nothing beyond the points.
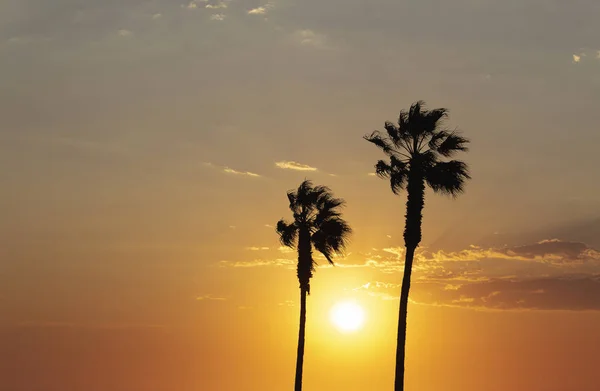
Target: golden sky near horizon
(146, 147)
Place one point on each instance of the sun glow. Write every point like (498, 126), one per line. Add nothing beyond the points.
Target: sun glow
(347, 316)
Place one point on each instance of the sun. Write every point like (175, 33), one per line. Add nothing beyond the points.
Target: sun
(347, 316)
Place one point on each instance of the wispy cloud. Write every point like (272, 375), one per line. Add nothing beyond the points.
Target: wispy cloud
(156, 16)
(258, 263)
(309, 38)
(220, 5)
(285, 250)
(232, 171)
(574, 293)
(262, 10)
(27, 39)
(191, 5)
(576, 58)
(257, 11)
(124, 33)
(254, 248)
(210, 297)
(291, 165)
(217, 17)
(397, 251)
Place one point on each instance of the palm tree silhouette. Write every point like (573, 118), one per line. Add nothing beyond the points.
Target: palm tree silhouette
(317, 223)
(416, 148)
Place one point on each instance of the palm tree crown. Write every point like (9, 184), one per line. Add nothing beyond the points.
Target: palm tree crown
(418, 150)
(317, 222)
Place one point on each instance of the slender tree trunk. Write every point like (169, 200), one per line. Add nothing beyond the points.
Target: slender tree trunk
(300, 355)
(412, 238)
(401, 344)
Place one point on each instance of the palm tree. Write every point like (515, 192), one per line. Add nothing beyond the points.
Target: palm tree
(317, 223)
(417, 149)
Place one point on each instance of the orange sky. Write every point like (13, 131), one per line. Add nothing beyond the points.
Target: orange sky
(146, 147)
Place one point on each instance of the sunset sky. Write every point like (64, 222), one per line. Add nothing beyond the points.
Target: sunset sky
(146, 148)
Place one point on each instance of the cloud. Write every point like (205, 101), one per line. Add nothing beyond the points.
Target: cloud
(257, 248)
(285, 250)
(210, 297)
(220, 5)
(235, 172)
(552, 251)
(124, 33)
(598, 54)
(547, 258)
(372, 174)
(27, 40)
(191, 5)
(156, 16)
(258, 263)
(397, 251)
(572, 293)
(229, 170)
(218, 17)
(290, 165)
(452, 271)
(259, 10)
(309, 38)
(551, 274)
(576, 58)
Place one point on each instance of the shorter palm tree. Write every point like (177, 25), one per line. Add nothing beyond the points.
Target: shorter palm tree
(317, 223)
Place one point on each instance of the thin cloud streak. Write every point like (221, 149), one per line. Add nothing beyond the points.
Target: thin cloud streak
(232, 171)
(210, 297)
(291, 165)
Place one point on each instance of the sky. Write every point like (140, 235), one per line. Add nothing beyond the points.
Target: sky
(146, 148)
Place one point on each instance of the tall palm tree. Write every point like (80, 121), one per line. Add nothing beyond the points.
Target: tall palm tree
(418, 149)
(317, 223)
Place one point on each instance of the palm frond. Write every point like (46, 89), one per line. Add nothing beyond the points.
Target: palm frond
(392, 131)
(452, 144)
(382, 169)
(328, 209)
(415, 110)
(319, 195)
(398, 174)
(415, 120)
(288, 233)
(294, 207)
(331, 237)
(403, 121)
(398, 182)
(377, 139)
(304, 197)
(448, 177)
(432, 119)
(437, 138)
